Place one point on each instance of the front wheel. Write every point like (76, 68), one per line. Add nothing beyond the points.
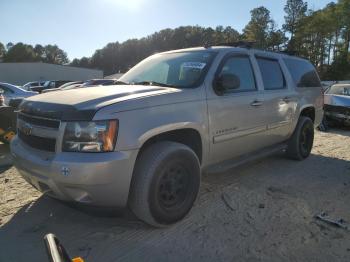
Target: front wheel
(301, 142)
(165, 183)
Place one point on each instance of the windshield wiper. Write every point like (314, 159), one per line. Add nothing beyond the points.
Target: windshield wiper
(152, 83)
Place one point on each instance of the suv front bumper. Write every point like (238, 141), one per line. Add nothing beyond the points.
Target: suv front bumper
(98, 179)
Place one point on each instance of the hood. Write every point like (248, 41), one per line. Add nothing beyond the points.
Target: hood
(82, 103)
(337, 100)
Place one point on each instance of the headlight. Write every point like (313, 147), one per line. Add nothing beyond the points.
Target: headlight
(96, 136)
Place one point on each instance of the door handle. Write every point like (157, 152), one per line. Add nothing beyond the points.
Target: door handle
(256, 103)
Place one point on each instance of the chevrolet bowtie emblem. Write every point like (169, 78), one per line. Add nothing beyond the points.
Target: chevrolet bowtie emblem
(65, 171)
(27, 129)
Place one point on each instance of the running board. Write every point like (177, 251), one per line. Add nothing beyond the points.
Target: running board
(233, 163)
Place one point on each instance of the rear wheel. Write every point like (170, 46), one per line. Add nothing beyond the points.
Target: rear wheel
(165, 183)
(301, 142)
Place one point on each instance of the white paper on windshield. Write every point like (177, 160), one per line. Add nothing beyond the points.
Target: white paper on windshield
(196, 65)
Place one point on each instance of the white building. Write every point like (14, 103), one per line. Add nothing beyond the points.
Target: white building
(21, 73)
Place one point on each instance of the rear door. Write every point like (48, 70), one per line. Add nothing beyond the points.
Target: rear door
(280, 99)
(236, 117)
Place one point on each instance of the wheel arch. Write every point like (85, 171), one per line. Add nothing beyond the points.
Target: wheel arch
(309, 111)
(188, 136)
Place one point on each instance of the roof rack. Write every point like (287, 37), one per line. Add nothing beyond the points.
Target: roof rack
(243, 44)
(290, 52)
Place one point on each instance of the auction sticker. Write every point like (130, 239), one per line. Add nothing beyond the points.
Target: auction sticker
(196, 65)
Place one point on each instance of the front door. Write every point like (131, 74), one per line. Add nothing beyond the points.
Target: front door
(236, 116)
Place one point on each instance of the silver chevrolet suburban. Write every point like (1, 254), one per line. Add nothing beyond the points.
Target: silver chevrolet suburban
(144, 142)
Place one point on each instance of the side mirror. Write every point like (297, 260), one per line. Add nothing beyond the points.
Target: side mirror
(226, 82)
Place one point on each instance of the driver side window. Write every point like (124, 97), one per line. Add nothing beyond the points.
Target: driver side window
(240, 67)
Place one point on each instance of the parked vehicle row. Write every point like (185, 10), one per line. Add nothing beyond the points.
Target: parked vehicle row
(30, 85)
(11, 97)
(49, 85)
(82, 84)
(144, 142)
(12, 91)
(56, 85)
(8, 119)
(68, 84)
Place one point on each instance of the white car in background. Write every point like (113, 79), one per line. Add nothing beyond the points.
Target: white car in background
(12, 91)
(29, 85)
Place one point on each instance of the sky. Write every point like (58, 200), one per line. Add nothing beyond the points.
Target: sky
(79, 27)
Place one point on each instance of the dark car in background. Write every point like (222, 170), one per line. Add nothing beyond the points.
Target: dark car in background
(74, 84)
(96, 82)
(14, 92)
(50, 85)
(29, 85)
(81, 84)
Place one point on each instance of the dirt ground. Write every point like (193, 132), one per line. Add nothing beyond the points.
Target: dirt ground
(262, 211)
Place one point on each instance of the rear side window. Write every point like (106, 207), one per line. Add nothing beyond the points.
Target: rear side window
(271, 73)
(303, 73)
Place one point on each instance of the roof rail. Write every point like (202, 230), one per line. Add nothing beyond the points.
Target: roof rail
(289, 52)
(243, 44)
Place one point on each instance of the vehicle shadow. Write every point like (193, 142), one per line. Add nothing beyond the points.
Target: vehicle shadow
(22, 236)
(5, 157)
(95, 234)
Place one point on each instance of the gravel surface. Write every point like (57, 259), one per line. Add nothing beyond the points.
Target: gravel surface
(262, 211)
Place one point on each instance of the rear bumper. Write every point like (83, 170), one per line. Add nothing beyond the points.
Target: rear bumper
(99, 179)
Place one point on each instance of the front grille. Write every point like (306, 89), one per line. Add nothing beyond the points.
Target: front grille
(39, 133)
(39, 121)
(41, 143)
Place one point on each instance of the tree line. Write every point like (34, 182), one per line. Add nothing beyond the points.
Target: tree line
(322, 36)
(27, 53)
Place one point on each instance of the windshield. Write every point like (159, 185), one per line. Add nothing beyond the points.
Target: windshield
(339, 90)
(181, 69)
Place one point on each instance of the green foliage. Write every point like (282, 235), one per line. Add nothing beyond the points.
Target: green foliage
(295, 10)
(26, 53)
(258, 27)
(54, 55)
(2, 50)
(323, 36)
(119, 57)
(20, 53)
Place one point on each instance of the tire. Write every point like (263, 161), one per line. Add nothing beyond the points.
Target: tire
(165, 183)
(301, 142)
(323, 127)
